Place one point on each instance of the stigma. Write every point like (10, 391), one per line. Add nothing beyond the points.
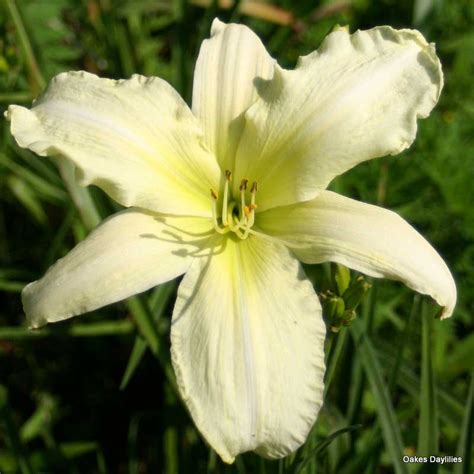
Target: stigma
(237, 215)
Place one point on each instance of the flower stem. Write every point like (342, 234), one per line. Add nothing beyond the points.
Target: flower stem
(80, 196)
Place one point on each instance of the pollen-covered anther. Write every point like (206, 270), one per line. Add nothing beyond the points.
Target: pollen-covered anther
(238, 217)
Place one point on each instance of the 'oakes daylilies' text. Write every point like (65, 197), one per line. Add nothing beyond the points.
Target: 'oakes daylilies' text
(232, 194)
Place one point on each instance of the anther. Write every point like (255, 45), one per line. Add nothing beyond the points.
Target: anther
(234, 217)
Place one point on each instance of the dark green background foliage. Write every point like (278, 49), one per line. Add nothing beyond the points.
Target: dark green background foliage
(96, 393)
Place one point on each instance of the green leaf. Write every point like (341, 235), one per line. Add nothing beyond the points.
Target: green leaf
(25, 44)
(104, 328)
(11, 433)
(142, 315)
(421, 10)
(464, 449)
(158, 302)
(80, 196)
(387, 417)
(428, 427)
(42, 186)
(460, 357)
(28, 198)
(75, 449)
(41, 420)
(450, 408)
(136, 356)
(337, 342)
(300, 464)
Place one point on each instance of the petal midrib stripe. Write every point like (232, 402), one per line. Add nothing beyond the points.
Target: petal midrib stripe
(247, 347)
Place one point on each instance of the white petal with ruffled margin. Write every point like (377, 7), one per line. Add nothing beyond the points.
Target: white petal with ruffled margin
(247, 342)
(224, 88)
(136, 139)
(367, 238)
(358, 97)
(130, 252)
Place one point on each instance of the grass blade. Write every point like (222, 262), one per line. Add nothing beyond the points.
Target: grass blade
(136, 356)
(335, 351)
(104, 328)
(388, 420)
(321, 447)
(141, 313)
(11, 433)
(373, 449)
(158, 302)
(144, 319)
(467, 434)
(428, 426)
(80, 196)
(25, 44)
(48, 190)
(450, 408)
(28, 198)
(133, 459)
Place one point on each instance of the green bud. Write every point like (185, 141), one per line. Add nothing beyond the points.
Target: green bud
(342, 276)
(356, 292)
(333, 308)
(349, 316)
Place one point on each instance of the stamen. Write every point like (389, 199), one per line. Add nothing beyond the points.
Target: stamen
(239, 222)
(217, 228)
(228, 177)
(247, 215)
(242, 202)
(236, 224)
(236, 228)
(253, 206)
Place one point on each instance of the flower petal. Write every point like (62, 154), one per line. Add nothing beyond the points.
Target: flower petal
(367, 238)
(247, 347)
(224, 87)
(136, 139)
(358, 97)
(130, 252)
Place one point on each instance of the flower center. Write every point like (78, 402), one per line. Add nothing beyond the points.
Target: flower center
(236, 216)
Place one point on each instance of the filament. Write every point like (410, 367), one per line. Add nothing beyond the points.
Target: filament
(238, 217)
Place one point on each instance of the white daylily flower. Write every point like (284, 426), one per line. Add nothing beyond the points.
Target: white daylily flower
(247, 333)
